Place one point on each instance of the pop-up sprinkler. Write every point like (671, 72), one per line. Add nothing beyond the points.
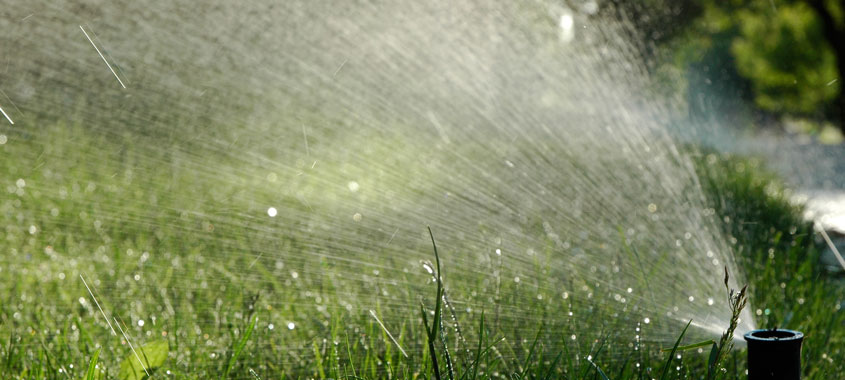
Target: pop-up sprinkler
(774, 354)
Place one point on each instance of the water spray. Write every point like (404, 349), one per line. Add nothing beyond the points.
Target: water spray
(774, 354)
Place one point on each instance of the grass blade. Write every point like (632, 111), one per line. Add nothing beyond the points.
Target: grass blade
(530, 353)
(240, 347)
(711, 362)
(92, 366)
(431, 350)
(480, 344)
(601, 373)
(690, 346)
(672, 354)
(551, 368)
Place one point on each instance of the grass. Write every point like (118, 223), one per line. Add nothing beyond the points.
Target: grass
(254, 299)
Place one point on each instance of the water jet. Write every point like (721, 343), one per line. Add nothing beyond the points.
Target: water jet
(295, 149)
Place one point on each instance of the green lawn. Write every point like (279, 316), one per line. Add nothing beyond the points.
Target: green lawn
(179, 252)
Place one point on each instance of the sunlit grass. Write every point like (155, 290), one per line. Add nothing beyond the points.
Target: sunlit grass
(167, 279)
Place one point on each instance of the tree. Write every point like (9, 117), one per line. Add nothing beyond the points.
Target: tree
(832, 16)
(791, 52)
(785, 56)
(779, 52)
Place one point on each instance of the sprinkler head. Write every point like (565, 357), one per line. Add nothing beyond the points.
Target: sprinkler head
(774, 354)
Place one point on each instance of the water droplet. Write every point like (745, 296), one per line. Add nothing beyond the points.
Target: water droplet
(428, 268)
(270, 326)
(291, 326)
(353, 186)
(141, 322)
(272, 212)
(567, 27)
(710, 301)
(590, 7)
(647, 320)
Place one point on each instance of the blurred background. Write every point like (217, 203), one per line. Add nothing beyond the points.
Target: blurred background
(767, 66)
(768, 72)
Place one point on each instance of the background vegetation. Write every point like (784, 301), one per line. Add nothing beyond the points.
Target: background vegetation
(758, 62)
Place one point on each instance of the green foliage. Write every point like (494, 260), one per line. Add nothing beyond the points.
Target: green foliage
(782, 52)
(746, 55)
(143, 360)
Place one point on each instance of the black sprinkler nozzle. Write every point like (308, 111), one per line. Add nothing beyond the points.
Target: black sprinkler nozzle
(774, 354)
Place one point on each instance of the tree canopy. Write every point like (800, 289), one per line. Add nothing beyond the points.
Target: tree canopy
(784, 57)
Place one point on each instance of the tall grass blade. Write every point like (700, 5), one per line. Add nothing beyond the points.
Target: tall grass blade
(92, 366)
(527, 362)
(551, 369)
(711, 362)
(672, 353)
(601, 373)
(240, 347)
(431, 335)
(478, 350)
